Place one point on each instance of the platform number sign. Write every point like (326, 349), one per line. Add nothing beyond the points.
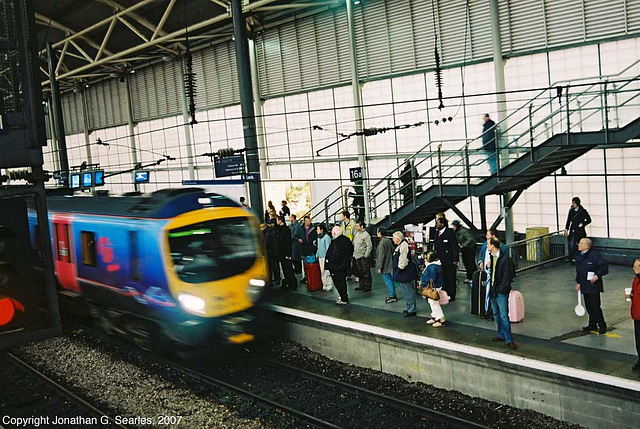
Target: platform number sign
(355, 174)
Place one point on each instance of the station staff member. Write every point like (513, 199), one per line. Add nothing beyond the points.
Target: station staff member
(590, 268)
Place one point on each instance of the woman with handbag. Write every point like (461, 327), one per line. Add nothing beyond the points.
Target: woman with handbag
(431, 283)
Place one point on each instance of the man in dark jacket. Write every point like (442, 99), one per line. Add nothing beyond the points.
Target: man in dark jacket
(338, 261)
(384, 263)
(407, 176)
(283, 235)
(357, 201)
(306, 236)
(502, 273)
(467, 243)
(270, 240)
(489, 143)
(296, 257)
(590, 267)
(449, 254)
(577, 219)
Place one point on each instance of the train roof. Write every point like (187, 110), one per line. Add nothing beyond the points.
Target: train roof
(162, 204)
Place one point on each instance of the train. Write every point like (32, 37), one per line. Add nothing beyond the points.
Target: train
(179, 265)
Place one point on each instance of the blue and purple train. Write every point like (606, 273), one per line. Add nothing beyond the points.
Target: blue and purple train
(181, 262)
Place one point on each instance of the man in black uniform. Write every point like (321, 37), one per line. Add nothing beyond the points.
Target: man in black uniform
(577, 219)
(590, 267)
(448, 251)
(283, 234)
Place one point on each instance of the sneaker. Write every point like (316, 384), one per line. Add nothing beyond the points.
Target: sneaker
(431, 321)
(437, 324)
(410, 314)
(512, 345)
(339, 301)
(442, 320)
(390, 299)
(357, 279)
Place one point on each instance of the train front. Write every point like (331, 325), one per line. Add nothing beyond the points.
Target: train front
(217, 271)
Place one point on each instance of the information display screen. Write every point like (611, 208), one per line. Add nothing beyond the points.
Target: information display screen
(141, 176)
(98, 178)
(74, 180)
(87, 180)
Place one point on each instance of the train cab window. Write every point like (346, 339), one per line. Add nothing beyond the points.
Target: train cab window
(89, 248)
(213, 250)
(134, 256)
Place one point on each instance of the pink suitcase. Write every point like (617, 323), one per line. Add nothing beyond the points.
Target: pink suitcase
(444, 297)
(516, 307)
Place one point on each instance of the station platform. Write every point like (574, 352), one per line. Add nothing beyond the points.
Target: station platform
(558, 369)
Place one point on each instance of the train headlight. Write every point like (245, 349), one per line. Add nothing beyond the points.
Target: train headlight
(255, 289)
(191, 303)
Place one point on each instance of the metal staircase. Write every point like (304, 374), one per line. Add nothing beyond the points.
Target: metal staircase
(555, 127)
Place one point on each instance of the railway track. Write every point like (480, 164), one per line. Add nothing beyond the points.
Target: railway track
(29, 394)
(321, 401)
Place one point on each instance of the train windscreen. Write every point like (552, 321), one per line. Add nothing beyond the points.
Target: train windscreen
(213, 250)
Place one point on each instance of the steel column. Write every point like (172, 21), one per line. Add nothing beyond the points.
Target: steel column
(56, 110)
(257, 102)
(357, 101)
(246, 103)
(131, 126)
(85, 125)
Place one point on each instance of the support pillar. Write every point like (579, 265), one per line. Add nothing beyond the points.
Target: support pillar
(501, 104)
(56, 110)
(131, 127)
(85, 125)
(187, 127)
(54, 141)
(257, 102)
(246, 103)
(357, 102)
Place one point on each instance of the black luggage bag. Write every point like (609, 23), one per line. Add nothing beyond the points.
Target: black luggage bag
(478, 295)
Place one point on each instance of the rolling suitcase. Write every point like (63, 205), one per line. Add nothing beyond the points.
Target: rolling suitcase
(314, 279)
(478, 296)
(516, 306)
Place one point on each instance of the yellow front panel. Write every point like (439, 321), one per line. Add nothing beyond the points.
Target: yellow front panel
(224, 296)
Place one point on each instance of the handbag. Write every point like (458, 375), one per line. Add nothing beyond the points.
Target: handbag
(431, 292)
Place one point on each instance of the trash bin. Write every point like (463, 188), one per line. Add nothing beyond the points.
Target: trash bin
(537, 250)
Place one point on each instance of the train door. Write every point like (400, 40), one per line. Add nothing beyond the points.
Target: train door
(63, 253)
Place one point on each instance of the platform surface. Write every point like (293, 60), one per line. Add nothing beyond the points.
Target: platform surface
(550, 331)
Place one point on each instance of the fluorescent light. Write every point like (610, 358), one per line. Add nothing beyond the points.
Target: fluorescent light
(191, 302)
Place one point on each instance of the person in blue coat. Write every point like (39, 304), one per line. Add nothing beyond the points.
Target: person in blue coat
(590, 268)
(324, 241)
(432, 275)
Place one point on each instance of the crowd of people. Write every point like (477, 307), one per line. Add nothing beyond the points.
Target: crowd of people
(346, 249)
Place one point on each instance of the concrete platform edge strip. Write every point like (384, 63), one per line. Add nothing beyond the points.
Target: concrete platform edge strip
(533, 364)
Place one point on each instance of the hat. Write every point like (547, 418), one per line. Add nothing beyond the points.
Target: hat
(455, 223)
(271, 222)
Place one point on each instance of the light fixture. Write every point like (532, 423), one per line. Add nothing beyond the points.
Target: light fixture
(86, 86)
(356, 2)
(132, 71)
(167, 58)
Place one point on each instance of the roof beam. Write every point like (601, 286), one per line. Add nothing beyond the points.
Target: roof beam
(61, 59)
(106, 38)
(163, 20)
(295, 6)
(43, 20)
(139, 19)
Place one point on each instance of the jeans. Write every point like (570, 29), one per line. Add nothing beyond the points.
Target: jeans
(391, 287)
(409, 295)
(500, 306)
(492, 161)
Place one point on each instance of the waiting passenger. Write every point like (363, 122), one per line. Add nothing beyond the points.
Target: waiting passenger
(338, 259)
(405, 273)
(270, 213)
(283, 235)
(271, 244)
(590, 268)
(467, 243)
(432, 276)
(577, 219)
(384, 264)
(502, 273)
(324, 241)
(285, 211)
(449, 253)
(362, 248)
(635, 310)
(489, 143)
(296, 256)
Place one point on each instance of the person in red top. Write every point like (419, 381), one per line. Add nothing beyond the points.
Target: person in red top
(635, 310)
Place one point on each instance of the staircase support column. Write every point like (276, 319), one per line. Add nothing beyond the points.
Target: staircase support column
(357, 102)
(501, 104)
